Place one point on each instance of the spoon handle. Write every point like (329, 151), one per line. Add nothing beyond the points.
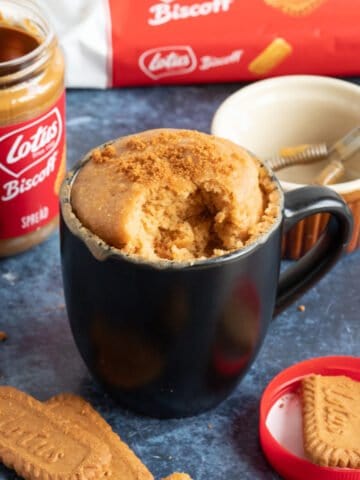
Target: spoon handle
(343, 149)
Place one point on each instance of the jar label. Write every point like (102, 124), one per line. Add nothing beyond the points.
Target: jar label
(32, 165)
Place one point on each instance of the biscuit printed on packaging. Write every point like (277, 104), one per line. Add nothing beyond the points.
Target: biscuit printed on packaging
(295, 7)
(274, 54)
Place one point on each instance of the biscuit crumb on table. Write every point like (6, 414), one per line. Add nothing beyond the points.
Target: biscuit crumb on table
(3, 336)
(178, 476)
(301, 308)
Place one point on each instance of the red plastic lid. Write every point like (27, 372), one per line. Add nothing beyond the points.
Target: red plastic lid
(281, 420)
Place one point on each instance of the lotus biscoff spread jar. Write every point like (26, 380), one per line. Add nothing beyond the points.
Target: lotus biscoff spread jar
(32, 126)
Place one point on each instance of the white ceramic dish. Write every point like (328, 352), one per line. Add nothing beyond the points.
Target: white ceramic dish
(291, 110)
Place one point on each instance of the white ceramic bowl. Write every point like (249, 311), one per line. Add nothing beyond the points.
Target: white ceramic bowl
(292, 110)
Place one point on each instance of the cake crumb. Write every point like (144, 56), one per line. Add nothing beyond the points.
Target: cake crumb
(301, 308)
(3, 336)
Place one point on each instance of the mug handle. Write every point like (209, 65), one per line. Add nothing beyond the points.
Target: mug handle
(299, 204)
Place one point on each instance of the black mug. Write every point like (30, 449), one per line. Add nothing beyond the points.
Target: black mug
(174, 339)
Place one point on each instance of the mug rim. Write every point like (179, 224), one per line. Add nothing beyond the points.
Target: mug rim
(102, 250)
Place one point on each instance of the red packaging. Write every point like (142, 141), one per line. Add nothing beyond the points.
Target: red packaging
(190, 41)
(31, 156)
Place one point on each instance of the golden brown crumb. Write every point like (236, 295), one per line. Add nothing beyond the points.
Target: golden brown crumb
(103, 155)
(3, 336)
(301, 308)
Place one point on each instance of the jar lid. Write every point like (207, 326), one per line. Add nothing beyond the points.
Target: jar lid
(280, 426)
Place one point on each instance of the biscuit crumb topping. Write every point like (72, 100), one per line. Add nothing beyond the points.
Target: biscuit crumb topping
(174, 194)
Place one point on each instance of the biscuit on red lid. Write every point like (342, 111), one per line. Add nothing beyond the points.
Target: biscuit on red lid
(281, 420)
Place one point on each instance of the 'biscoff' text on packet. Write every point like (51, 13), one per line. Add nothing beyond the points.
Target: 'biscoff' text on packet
(151, 42)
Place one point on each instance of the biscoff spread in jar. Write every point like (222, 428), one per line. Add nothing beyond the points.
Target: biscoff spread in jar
(175, 195)
(32, 126)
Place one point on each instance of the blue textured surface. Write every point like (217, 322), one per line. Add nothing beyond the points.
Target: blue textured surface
(40, 356)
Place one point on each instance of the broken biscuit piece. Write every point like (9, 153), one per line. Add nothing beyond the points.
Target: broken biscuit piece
(124, 463)
(38, 444)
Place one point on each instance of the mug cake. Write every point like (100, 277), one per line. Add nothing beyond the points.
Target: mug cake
(174, 194)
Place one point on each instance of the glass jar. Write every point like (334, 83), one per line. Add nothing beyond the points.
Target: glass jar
(32, 126)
